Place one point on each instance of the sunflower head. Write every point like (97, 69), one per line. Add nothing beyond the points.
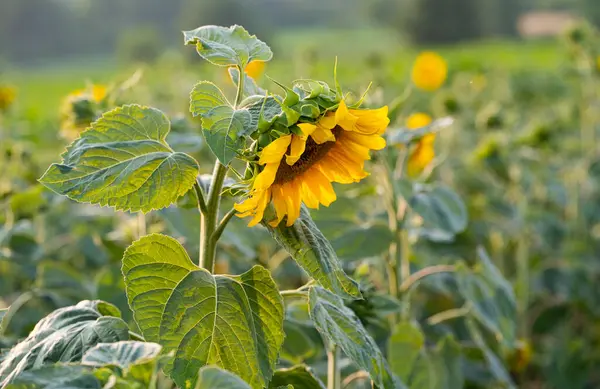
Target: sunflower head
(318, 140)
(424, 152)
(80, 108)
(429, 71)
(7, 96)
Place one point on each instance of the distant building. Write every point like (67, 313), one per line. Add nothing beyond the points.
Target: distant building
(544, 24)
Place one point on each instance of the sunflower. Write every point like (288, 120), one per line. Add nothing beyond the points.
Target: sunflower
(300, 167)
(429, 71)
(7, 97)
(79, 109)
(424, 152)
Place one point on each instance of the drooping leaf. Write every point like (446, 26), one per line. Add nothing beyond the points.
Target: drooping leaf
(312, 251)
(123, 161)
(56, 377)
(64, 336)
(491, 297)
(250, 87)
(441, 208)
(363, 242)
(121, 354)
(206, 96)
(299, 377)
(224, 129)
(340, 325)
(212, 377)
(204, 319)
(224, 46)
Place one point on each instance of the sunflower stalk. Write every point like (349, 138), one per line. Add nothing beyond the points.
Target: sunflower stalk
(210, 232)
(334, 378)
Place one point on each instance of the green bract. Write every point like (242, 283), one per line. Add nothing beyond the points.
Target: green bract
(123, 161)
(204, 319)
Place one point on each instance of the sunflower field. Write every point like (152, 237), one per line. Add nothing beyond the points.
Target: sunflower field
(240, 216)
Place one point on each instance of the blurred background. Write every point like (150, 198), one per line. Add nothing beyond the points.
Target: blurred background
(55, 42)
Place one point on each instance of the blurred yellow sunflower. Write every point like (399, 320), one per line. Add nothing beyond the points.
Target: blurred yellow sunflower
(255, 69)
(300, 168)
(424, 151)
(79, 109)
(429, 71)
(7, 96)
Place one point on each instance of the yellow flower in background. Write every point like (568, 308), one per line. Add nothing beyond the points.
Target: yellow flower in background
(79, 109)
(424, 151)
(598, 63)
(8, 95)
(255, 69)
(300, 168)
(429, 71)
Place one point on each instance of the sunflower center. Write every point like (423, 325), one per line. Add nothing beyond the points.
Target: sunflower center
(312, 154)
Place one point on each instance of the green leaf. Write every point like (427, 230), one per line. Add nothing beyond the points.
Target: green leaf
(123, 161)
(298, 377)
(250, 87)
(340, 325)
(298, 346)
(122, 354)
(447, 358)
(3, 312)
(204, 319)
(440, 208)
(405, 346)
(56, 377)
(206, 96)
(363, 242)
(224, 46)
(64, 336)
(312, 251)
(224, 129)
(494, 363)
(212, 377)
(491, 296)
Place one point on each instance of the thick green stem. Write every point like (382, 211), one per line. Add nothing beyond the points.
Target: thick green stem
(334, 377)
(208, 220)
(210, 232)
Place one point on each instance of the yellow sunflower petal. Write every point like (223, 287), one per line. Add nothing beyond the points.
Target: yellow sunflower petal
(322, 135)
(278, 200)
(307, 128)
(371, 121)
(328, 121)
(291, 192)
(419, 159)
(373, 142)
(418, 120)
(320, 185)
(263, 201)
(266, 178)
(344, 118)
(297, 147)
(275, 151)
(308, 196)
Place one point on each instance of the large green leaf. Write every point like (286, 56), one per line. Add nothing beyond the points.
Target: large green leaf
(227, 46)
(56, 377)
(206, 96)
(299, 377)
(123, 161)
(250, 86)
(447, 359)
(64, 336)
(224, 129)
(121, 354)
(312, 251)
(234, 322)
(491, 297)
(340, 325)
(441, 208)
(363, 242)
